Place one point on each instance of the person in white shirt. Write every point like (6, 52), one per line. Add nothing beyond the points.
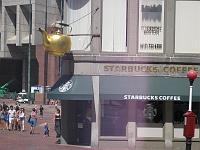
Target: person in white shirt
(22, 118)
(11, 114)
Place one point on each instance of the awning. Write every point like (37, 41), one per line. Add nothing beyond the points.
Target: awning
(77, 87)
(147, 88)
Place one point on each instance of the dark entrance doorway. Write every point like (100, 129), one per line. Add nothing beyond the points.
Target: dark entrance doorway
(76, 122)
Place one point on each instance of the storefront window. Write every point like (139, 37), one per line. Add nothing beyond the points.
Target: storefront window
(186, 21)
(182, 107)
(114, 19)
(148, 113)
(113, 118)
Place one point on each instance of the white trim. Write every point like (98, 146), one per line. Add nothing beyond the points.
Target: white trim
(178, 133)
(149, 132)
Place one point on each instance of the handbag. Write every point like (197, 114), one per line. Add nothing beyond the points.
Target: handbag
(2, 116)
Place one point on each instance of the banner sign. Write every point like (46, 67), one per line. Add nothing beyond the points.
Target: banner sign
(151, 26)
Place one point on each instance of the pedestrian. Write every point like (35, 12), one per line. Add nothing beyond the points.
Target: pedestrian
(5, 107)
(36, 109)
(2, 123)
(17, 119)
(56, 104)
(11, 114)
(58, 125)
(33, 120)
(41, 110)
(6, 119)
(22, 118)
(46, 129)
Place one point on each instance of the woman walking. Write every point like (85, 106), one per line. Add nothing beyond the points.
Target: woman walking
(33, 120)
(22, 118)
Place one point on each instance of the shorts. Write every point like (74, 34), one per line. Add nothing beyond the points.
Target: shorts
(11, 120)
(33, 122)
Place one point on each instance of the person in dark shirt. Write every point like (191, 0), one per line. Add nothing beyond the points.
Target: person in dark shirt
(41, 110)
(58, 125)
(5, 107)
(46, 129)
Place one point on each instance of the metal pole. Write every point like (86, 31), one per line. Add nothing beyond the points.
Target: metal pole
(29, 51)
(62, 16)
(190, 99)
(188, 143)
(45, 61)
(62, 9)
(189, 140)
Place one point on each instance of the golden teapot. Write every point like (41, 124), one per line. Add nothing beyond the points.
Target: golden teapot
(56, 43)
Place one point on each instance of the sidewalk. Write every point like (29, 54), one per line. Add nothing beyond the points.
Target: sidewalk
(24, 141)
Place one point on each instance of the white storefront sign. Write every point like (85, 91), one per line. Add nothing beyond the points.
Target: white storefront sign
(152, 97)
(66, 86)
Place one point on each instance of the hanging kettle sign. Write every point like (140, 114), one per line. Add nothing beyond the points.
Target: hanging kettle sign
(56, 43)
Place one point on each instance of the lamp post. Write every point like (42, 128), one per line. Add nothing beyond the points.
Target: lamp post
(45, 60)
(189, 116)
(192, 75)
(29, 52)
(62, 17)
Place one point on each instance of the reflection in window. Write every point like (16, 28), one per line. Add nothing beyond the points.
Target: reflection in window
(113, 118)
(149, 112)
(182, 107)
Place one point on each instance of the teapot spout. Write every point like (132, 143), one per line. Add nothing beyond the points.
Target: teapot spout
(41, 30)
(44, 37)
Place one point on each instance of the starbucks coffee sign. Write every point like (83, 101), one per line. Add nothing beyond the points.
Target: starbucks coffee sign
(148, 69)
(153, 97)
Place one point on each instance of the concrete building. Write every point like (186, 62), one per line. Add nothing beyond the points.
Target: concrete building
(17, 17)
(125, 80)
